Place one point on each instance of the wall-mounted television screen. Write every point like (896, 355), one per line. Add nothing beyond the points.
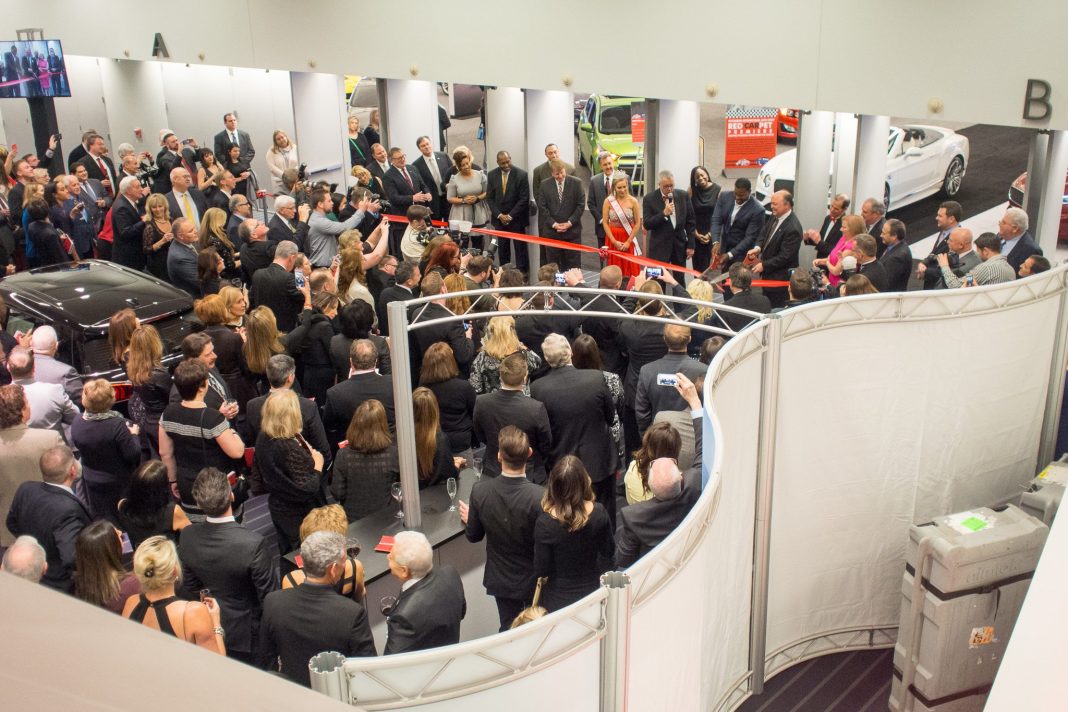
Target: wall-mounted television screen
(32, 68)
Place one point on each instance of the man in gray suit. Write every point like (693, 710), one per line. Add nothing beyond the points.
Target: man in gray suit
(600, 188)
(182, 257)
(560, 204)
(50, 406)
(22, 447)
(48, 369)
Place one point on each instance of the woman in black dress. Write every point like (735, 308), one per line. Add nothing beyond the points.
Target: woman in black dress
(366, 468)
(229, 349)
(149, 508)
(151, 382)
(455, 395)
(573, 542)
(703, 196)
(373, 129)
(213, 234)
(289, 468)
(209, 271)
(158, 236)
(309, 345)
(359, 149)
(43, 236)
(110, 449)
(262, 341)
(433, 453)
(355, 321)
(238, 167)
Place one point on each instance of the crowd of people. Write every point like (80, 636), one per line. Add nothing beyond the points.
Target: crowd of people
(588, 425)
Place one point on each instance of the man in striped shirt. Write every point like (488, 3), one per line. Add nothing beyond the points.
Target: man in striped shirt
(994, 268)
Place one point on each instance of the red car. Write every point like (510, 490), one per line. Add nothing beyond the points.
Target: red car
(1016, 198)
(786, 124)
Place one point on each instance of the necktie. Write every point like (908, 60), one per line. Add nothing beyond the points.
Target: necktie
(89, 191)
(411, 185)
(104, 170)
(432, 164)
(560, 191)
(504, 182)
(187, 208)
(672, 218)
(607, 185)
(830, 226)
(233, 138)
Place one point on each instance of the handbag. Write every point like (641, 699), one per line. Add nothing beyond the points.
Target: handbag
(534, 610)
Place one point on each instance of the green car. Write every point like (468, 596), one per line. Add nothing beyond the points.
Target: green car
(604, 125)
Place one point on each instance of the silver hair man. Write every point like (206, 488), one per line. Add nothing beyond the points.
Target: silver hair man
(665, 478)
(25, 559)
(319, 550)
(557, 351)
(412, 550)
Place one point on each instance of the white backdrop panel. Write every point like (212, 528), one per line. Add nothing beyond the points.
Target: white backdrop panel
(916, 419)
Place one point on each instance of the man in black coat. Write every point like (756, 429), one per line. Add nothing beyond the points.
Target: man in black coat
(49, 512)
(432, 166)
(303, 621)
(1016, 242)
(737, 221)
(873, 212)
(830, 231)
(599, 190)
(776, 254)
(281, 374)
(897, 257)
(503, 510)
(669, 220)
(404, 186)
(100, 167)
(274, 287)
(508, 406)
(452, 333)
(508, 194)
(406, 280)
(533, 328)
(431, 603)
(128, 226)
(560, 204)
(257, 251)
(289, 222)
(231, 135)
(235, 562)
(653, 396)
(743, 297)
(867, 264)
(604, 330)
(364, 384)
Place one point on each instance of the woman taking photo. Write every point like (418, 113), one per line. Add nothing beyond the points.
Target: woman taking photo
(208, 173)
(193, 436)
(356, 320)
(291, 470)
(573, 542)
(99, 576)
(703, 196)
(455, 396)
(281, 156)
(110, 449)
(209, 271)
(149, 508)
(213, 234)
(151, 383)
(157, 607)
(466, 193)
(262, 340)
(433, 453)
(499, 341)
(359, 149)
(157, 237)
(621, 217)
(365, 470)
(229, 348)
(309, 345)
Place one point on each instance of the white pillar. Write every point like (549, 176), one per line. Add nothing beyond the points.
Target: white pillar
(845, 154)
(319, 122)
(869, 172)
(1052, 194)
(410, 111)
(550, 119)
(813, 176)
(677, 150)
(1036, 174)
(505, 125)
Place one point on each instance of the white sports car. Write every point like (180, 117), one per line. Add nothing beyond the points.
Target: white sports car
(920, 161)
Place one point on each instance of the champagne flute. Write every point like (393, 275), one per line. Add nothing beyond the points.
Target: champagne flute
(476, 463)
(450, 487)
(398, 494)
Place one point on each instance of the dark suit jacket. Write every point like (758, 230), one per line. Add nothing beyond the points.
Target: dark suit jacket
(398, 190)
(778, 252)
(221, 201)
(514, 201)
(876, 274)
(76, 155)
(440, 206)
(378, 172)
(451, 333)
(223, 143)
(274, 287)
(312, 428)
(303, 621)
(739, 235)
(581, 411)
(641, 342)
(494, 411)
(393, 293)
(182, 268)
(1024, 249)
(553, 209)
(428, 614)
(533, 328)
(652, 398)
(256, 255)
(54, 517)
(239, 567)
(128, 248)
(166, 162)
(663, 238)
(604, 331)
(195, 196)
(826, 245)
(279, 229)
(504, 510)
(343, 399)
(96, 174)
(595, 198)
(745, 300)
(876, 231)
(897, 261)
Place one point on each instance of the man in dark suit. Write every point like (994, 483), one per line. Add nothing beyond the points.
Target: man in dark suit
(182, 257)
(827, 236)
(183, 199)
(503, 511)
(12, 72)
(94, 195)
(240, 210)
(100, 166)
(947, 219)
(84, 224)
(873, 212)
(290, 222)
(221, 198)
(128, 225)
(303, 621)
(432, 165)
(643, 525)
(274, 287)
(743, 297)
(49, 512)
(737, 221)
(364, 384)
(897, 257)
(452, 333)
(81, 150)
(508, 194)
(543, 171)
(531, 329)
(406, 279)
(231, 135)
(168, 158)
(581, 411)
(776, 254)
(379, 163)
(431, 603)
(257, 252)
(281, 373)
(560, 205)
(235, 562)
(405, 187)
(668, 217)
(600, 189)
(868, 265)
(509, 406)
(604, 330)
(652, 396)
(1016, 242)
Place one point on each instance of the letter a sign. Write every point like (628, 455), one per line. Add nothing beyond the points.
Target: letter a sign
(159, 47)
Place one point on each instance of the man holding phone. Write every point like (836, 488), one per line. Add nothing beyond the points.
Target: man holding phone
(669, 220)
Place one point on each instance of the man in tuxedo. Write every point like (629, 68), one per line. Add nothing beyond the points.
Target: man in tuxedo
(452, 333)
(867, 263)
(1017, 243)
(48, 369)
(184, 200)
(503, 511)
(99, 166)
(50, 512)
(405, 188)
(50, 406)
(289, 222)
(873, 212)
(432, 165)
(379, 163)
(743, 297)
(508, 194)
(406, 279)
(509, 406)
(303, 621)
(274, 287)
(431, 603)
(281, 374)
(364, 384)
(230, 136)
(669, 220)
(737, 221)
(830, 231)
(581, 411)
(543, 171)
(652, 396)
(235, 562)
(84, 223)
(182, 257)
(897, 257)
(560, 205)
(599, 190)
(776, 254)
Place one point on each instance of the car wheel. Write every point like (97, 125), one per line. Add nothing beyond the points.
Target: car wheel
(954, 176)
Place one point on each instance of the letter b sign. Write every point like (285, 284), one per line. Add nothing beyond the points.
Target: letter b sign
(1036, 100)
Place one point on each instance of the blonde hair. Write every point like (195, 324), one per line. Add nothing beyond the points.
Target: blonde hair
(213, 224)
(156, 563)
(157, 199)
(145, 354)
(98, 396)
(263, 339)
(329, 518)
(350, 270)
(350, 239)
(361, 174)
(281, 415)
(527, 615)
(457, 305)
(500, 339)
(230, 296)
(854, 224)
(700, 289)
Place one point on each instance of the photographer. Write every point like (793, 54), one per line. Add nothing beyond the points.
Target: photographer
(417, 234)
(960, 259)
(804, 287)
(481, 275)
(994, 269)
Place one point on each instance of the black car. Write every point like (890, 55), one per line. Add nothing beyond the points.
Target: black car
(79, 299)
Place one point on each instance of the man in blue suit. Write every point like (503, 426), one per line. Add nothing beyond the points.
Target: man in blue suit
(737, 222)
(1016, 242)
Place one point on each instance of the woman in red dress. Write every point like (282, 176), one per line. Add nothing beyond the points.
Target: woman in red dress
(621, 217)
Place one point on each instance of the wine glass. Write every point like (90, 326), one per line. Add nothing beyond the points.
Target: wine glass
(476, 463)
(450, 487)
(398, 494)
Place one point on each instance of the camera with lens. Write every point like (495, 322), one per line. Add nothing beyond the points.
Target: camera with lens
(387, 207)
(146, 173)
(424, 236)
(302, 172)
(931, 261)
